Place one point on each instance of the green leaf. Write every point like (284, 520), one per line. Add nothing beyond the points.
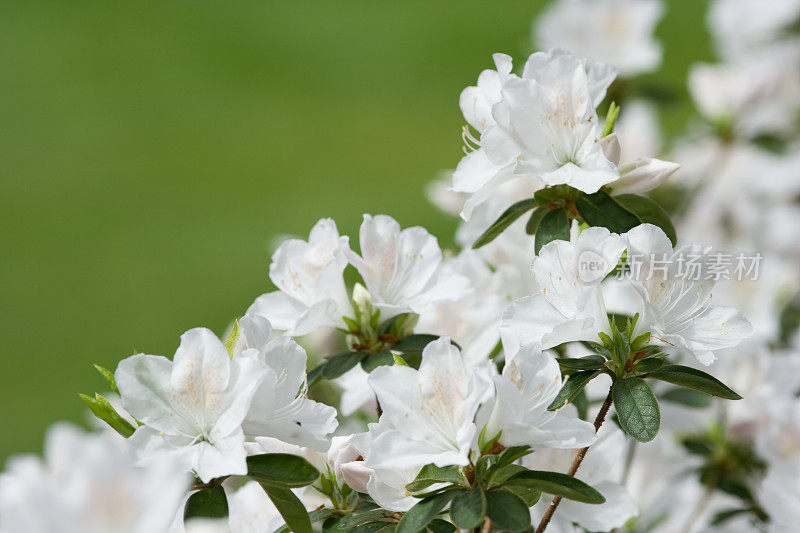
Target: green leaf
(438, 525)
(314, 516)
(315, 374)
(362, 518)
(290, 507)
(600, 209)
(207, 503)
(414, 343)
(723, 516)
(507, 510)
(694, 379)
(109, 376)
(418, 517)
(468, 508)
(554, 226)
(687, 397)
(504, 220)
(529, 496)
(233, 338)
(590, 362)
(340, 363)
(536, 218)
(281, 469)
(103, 410)
(498, 475)
(511, 454)
(637, 408)
(557, 484)
(611, 119)
(432, 474)
(574, 384)
(548, 196)
(651, 364)
(648, 212)
(374, 360)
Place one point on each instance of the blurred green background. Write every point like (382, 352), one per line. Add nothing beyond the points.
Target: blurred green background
(150, 153)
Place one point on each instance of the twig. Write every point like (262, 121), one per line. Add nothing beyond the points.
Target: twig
(601, 416)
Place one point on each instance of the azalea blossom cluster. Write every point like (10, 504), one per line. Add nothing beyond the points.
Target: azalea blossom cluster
(531, 380)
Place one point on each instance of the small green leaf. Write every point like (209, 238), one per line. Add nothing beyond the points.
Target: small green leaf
(207, 503)
(468, 508)
(281, 469)
(611, 119)
(723, 516)
(418, 517)
(341, 363)
(694, 379)
(554, 226)
(315, 374)
(103, 410)
(414, 343)
(637, 408)
(432, 474)
(374, 360)
(362, 518)
(590, 362)
(290, 507)
(550, 195)
(314, 516)
(557, 484)
(600, 209)
(233, 338)
(574, 384)
(503, 221)
(511, 454)
(529, 496)
(649, 212)
(498, 475)
(109, 376)
(687, 397)
(507, 510)
(536, 218)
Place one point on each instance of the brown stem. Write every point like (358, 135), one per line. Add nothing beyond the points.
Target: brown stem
(601, 416)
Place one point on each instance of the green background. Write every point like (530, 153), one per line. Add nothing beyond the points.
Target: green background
(152, 152)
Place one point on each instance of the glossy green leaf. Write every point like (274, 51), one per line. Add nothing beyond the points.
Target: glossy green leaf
(507, 510)
(504, 220)
(694, 379)
(554, 226)
(648, 212)
(651, 364)
(468, 508)
(557, 484)
(439, 525)
(416, 342)
(290, 508)
(281, 469)
(418, 517)
(103, 410)
(590, 362)
(600, 209)
(535, 219)
(637, 408)
(314, 516)
(687, 397)
(374, 360)
(207, 503)
(340, 363)
(571, 388)
(356, 519)
(432, 474)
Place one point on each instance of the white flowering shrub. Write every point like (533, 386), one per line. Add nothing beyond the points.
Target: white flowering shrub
(567, 370)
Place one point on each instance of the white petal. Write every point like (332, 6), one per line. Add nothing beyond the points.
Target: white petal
(644, 174)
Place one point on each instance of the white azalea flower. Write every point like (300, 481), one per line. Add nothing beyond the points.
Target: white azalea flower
(617, 32)
(472, 321)
(528, 385)
(739, 26)
(402, 269)
(87, 484)
(569, 306)
(311, 291)
(280, 408)
(191, 408)
(638, 176)
(356, 392)
(428, 414)
(677, 304)
(544, 127)
(779, 495)
(601, 468)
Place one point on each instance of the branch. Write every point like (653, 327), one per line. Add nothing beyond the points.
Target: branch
(601, 416)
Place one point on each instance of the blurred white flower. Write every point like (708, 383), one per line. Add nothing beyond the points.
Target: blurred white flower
(191, 408)
(87, 484)
(739, 26)
(617, 32)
